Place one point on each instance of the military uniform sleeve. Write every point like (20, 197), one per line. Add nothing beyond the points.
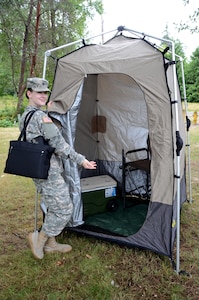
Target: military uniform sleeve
(52, 134)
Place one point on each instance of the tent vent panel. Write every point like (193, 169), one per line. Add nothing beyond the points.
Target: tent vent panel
(98, 124)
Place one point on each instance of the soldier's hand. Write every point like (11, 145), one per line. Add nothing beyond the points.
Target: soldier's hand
(89, 164)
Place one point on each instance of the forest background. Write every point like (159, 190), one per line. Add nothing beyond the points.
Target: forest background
(29, 27)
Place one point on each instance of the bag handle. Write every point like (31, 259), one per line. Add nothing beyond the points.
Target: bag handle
(26, 121)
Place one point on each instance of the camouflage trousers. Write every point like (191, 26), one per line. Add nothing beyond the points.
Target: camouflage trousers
(55, 195)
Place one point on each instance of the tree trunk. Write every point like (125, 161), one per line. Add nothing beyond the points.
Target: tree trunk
(34, 57)
(22, 86)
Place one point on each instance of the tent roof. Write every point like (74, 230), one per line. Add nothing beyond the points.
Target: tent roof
(130, 56)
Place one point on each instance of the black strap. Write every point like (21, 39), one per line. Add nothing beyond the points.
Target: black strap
(26, 121)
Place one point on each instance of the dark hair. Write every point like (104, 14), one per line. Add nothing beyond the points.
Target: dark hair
(28, 89)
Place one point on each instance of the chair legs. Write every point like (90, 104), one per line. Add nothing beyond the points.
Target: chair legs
(127, 169)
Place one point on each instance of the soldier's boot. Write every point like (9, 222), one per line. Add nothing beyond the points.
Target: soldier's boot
(52, 246)
(37, 241)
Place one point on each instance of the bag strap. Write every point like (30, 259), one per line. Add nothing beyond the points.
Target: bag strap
(26, 121)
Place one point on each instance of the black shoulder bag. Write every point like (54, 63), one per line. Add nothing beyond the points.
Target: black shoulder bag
(29, 159)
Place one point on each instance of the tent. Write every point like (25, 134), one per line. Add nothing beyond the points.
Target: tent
(130, 89)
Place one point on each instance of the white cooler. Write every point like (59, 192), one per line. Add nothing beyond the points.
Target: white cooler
(98, 194)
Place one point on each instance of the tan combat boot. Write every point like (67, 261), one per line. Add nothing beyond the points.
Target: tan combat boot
(52, 246)
(37, 241)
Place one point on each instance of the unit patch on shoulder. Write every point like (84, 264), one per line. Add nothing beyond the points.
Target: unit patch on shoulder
(46, 119)
(50, 130)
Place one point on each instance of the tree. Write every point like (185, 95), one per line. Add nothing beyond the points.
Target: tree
(192, 23)
(192, 77)
(191, 68)
(29, 28)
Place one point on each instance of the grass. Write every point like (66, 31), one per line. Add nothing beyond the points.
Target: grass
(94, 270)
(191, 106)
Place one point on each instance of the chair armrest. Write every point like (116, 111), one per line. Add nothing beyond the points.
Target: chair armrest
(137, 150)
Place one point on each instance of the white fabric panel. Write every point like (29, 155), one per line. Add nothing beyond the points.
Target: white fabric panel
(123, 104)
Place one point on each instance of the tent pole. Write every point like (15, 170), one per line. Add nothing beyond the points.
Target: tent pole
(44, 67)
(177, 165)
(119, 29)
(187, 130)
(188, 137)
(48, 52)
(187, 125)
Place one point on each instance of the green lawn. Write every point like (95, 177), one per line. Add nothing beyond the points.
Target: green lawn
(94, 270)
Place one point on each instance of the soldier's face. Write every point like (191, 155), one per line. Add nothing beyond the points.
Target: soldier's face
(37, 99)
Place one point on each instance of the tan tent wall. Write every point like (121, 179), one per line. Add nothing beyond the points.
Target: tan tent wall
(122, 85)
(144, 65)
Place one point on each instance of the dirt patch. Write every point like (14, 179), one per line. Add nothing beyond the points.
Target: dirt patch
(12, 242)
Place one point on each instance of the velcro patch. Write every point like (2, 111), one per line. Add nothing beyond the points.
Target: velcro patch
(50, 130)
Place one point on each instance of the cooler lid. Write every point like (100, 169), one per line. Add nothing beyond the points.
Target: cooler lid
(97, 183)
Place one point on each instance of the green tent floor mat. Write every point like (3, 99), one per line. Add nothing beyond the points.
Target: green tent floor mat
(123, 221)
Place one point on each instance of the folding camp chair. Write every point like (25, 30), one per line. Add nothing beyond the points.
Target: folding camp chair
(128, 166)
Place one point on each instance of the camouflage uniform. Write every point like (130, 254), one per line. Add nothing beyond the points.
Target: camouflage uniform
(54, 190)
